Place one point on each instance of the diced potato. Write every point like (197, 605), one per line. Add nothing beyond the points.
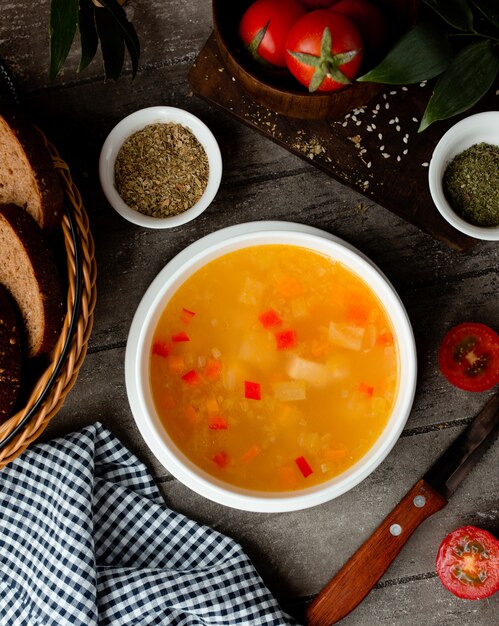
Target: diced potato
(346, 335)
(290, 391)
(252, 291)
(370, 337)
(317, 374)
(299, 308)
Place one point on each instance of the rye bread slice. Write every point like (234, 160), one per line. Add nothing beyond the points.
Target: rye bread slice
(28, 178)
(10, 355)
(29, 271)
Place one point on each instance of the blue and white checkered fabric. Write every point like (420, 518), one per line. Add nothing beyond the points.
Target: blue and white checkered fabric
(86, 539)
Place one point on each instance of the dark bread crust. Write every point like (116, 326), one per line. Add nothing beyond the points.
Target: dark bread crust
(10, 355)
(29, 271)
(48, 185)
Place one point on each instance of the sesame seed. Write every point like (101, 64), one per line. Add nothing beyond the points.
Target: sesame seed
(369, 164)
(363, 151)
(397, 128)
(392, 121)
(423, 83)
(397, 120)
(380, 136)
(354, 118)
(385, 155)
(373, 125)
(344, 124)
(404, 89)
(377, 107)
(358, 123)
(425, 164)
(387, 106)
(381, 148)
(392, 93)
(404, 139)
(369, 128)
(384, 96)
(414, 119)
(398, 158)
(405, 151)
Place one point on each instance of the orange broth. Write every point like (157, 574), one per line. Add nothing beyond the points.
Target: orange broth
(274, 368)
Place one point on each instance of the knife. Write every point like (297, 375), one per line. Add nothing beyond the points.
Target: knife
(430, 494)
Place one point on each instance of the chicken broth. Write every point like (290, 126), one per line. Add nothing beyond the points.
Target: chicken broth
(274, 368)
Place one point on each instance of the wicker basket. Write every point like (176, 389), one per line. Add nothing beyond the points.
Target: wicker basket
(67, 357)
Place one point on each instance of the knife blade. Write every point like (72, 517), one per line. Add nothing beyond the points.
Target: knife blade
(430, 494)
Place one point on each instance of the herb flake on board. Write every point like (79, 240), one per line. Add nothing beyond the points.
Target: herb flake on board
(161, 170)
(471, 184)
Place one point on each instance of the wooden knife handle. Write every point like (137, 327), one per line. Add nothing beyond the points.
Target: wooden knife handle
(359, 575)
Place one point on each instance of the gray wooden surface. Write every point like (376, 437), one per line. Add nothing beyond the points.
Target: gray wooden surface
(296, 553)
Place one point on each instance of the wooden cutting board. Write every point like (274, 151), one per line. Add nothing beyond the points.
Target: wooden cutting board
(376, 150)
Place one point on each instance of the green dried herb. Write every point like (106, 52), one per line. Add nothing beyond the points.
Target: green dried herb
(161, 170)
(471, 184)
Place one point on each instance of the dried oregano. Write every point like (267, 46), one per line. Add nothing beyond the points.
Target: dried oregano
(161, 170)
(471, 184)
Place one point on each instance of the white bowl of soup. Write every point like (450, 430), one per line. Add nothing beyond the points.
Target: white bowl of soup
(270, 367)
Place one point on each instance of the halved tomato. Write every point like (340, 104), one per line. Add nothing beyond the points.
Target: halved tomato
(469, 357)
(468, 563)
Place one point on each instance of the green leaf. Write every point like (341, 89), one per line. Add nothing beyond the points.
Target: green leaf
(111, 42)
(422, 53)
(316, 80)
(128, 31)
(467, 79)
(62, 29)
(326, 43)
(489, 8)
(256, 41)
(457, 13)
(88, 33)
(344, 57)
(306, 59)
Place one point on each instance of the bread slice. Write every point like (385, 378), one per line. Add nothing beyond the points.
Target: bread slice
(28, 178)
(10, 355)
(29, 271)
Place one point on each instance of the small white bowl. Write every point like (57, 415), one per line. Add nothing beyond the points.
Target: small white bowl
(137, 121)
(138, 350)
(474, 129)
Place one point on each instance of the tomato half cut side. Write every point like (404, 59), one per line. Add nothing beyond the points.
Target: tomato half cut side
(469, 357)
(468, 563)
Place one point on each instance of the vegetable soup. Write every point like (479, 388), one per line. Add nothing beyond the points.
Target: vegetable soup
(274, 368)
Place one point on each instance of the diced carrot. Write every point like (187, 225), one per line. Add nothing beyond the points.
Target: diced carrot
(221, 459)
(250, 454)
(287, 477)
(217, 422)
(161, 348)
(186, 316)
(332, 455)
(192, 378)
(357, 314)
(289, 287)
(385, 338)
(212, 369)
(269, 319)
(191, 414)
(303, 466)
(181, 336)
(212, 405)
(252, 391)
(285, 339)
(176, 364)
(366, 390)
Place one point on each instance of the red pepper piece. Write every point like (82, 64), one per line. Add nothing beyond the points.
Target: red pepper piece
(182, 336)
(366, 390)
(192, 377)
(285, 339)
(217, 422)
(221, 459)
(186, 316)
(161, 348)
(252, 391)
(269, 319)
(303, 466)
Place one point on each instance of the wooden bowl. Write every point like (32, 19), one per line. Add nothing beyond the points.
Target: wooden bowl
(278, 90)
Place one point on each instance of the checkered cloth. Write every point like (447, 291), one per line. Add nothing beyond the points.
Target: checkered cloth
(86, 539)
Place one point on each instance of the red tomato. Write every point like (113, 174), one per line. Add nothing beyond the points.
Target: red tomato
(468, 563)
(265, 26)
(367, 18)
(317, 4)
(469, 357)
(324, 51)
